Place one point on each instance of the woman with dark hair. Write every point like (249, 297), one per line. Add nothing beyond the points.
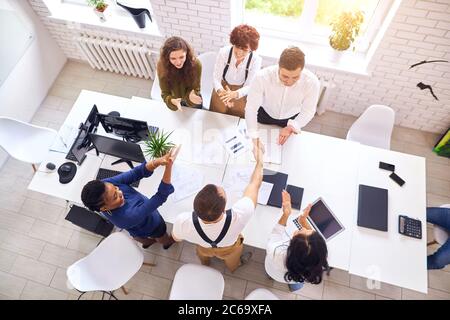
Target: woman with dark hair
(179, 73)
(300, 259)
(235, 68)
(127, 208)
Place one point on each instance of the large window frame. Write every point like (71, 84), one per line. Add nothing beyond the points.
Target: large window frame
(319, 35)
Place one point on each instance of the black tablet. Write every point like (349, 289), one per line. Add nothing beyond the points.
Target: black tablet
(323, 220)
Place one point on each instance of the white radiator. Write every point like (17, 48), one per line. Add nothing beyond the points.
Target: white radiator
(118, 56)
(326, 87)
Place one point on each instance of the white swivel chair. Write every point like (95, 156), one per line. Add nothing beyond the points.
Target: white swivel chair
(208, 60)
(197, 282)
(261, 294)
(440, 235)
(24, 141)
(156, 89)
(373, 127)
(108, 267)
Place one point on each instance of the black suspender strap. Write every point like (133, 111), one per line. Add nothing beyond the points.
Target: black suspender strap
(202, 234)
(247, 66)
(225, 70)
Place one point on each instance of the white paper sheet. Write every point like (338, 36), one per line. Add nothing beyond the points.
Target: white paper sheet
(264, 192)
(186, 181)
(64, 139)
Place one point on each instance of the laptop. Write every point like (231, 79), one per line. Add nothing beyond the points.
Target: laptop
(373, 208)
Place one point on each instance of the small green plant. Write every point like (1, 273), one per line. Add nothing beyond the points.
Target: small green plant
(157, 144)
(99, 5)
(345, 28)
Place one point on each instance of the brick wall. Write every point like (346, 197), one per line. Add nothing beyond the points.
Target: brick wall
(420, 31)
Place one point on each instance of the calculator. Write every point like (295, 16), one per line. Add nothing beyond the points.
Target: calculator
(410, 227)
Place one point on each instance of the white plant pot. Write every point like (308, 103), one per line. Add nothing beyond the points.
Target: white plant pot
(336, 55)
(101, 15)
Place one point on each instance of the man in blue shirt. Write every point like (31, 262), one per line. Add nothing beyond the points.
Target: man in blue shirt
(439, 217)
(127, 208)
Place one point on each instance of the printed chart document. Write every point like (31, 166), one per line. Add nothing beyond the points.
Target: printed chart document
(186, 181)
(65, 138)
(236, 179)
(264, 192)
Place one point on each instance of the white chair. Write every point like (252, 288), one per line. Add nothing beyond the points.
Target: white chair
(261, 294)
(374, 127)
(108, 267)
(24, 141)
(208, 60)
(197, 282)
(440, 235)
(156, 89)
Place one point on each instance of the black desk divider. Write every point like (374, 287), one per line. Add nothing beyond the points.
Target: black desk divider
(279, 180)
(89, 220)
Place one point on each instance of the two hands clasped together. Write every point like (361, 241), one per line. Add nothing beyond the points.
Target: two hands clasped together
(193, 97)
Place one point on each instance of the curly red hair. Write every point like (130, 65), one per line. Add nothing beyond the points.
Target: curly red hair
(244, 35)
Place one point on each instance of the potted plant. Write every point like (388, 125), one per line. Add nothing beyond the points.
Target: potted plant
(157, 144)
(99, 8)
(345, 28)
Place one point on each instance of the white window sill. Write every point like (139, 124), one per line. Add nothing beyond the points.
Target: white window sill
(317, 56)
(116, 18)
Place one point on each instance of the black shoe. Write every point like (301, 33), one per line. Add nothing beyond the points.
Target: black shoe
(145, 246)
(245, 257)
(167, 246)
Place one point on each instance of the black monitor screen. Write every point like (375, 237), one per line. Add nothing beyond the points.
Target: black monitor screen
(117, 148)
(130, 129)
(324, 220)
(82, 143)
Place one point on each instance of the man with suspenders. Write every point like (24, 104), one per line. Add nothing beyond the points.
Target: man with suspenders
(216, 232)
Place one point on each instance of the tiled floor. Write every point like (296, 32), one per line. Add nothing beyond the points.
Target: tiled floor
(37, 244)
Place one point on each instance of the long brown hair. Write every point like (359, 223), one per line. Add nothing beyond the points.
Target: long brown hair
(168, 71)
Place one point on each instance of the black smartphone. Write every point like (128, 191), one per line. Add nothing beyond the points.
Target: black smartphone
(296, 196)
(397, 179)
(387, 166)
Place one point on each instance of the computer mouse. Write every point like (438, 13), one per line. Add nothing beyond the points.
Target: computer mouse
(65, 168)
(114, 113)
(50, 166)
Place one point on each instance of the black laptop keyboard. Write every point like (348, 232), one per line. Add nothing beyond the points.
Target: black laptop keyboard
(106, 173)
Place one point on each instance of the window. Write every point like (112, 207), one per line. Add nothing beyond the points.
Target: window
(309, 20)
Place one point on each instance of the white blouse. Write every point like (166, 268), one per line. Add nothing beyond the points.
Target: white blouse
(235, 75)
(276, 251)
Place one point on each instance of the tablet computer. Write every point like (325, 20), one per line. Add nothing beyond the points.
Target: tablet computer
(323, 220)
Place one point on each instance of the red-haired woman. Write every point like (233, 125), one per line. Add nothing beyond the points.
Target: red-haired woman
(235, 68)
(179, 73)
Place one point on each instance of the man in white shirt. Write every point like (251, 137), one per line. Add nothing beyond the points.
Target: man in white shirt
(285, 95)
(218, 233)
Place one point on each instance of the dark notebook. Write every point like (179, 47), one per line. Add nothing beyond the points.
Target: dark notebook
(89, 220)
(279, 180)
(373, 208)
(296, 196)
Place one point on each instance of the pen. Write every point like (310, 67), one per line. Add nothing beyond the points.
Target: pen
(238, 149)
(230, 139)
(236, 145)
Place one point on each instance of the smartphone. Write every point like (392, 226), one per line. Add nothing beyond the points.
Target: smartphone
(296, 196)
(387, 166)
(397, 179)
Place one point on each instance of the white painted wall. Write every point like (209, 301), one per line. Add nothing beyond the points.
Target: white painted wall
(28, 83)
(420, 31)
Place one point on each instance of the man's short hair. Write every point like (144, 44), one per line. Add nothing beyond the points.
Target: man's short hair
(209, 204)
(291, 59)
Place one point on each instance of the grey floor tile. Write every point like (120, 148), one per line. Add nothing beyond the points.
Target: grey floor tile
(59, 256)
(41, 210)
(433, 294)
(83, 242)
(51, 233)
(165, 267)
(333, 291)
(11, 285)
(234, 287)
(381, 289)
(33, 270)
(15, 221)
(36, 291)
(439, 279)
(21, 244)
(7, 259)
(149, 285)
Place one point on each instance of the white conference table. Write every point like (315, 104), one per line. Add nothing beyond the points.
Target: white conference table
(324, 166)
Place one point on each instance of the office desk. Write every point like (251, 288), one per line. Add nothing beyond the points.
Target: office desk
(324, 166)
(389, 256)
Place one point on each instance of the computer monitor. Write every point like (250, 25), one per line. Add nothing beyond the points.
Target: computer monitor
(82, 143)
(126, 151)
(130, 129)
